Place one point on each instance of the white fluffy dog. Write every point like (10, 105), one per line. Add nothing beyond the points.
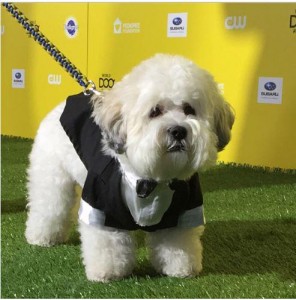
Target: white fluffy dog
(135, 150)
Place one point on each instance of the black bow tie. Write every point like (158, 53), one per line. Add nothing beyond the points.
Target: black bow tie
(145, 187)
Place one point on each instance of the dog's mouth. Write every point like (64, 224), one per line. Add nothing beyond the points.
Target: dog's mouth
(176, 147)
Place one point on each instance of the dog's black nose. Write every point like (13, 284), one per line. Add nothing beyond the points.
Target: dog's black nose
(178, 132)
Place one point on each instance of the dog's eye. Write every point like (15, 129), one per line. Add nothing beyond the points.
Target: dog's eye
(155, 111)
(188, 109)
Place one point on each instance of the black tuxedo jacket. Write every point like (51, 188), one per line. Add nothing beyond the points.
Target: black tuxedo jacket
(102, 188)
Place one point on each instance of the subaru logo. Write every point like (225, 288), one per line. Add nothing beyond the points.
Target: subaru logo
(71, 27)
(270, 86)
(18, 75)
(177, 21)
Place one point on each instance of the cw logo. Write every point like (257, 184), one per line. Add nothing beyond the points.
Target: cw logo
(235, 22)
(54, 79)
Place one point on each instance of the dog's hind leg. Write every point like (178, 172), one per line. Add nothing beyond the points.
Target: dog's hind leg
(54, 169)
(51, 200)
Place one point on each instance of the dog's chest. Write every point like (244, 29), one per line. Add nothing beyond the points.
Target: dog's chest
(146, 211)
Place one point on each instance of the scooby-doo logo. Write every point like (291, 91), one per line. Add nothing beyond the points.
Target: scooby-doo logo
(293, 22)
(106, 81)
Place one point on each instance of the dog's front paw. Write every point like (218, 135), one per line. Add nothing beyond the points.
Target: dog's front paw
(44, 237)
(107, 254)
(176, 252)
(177, 263)
(105, 276)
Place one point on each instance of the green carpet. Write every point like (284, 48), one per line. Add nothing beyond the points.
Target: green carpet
(249, 242)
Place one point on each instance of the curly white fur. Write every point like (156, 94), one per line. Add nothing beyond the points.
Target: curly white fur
(177, 252)
(124, 114)
(169, 81)
(107, 254)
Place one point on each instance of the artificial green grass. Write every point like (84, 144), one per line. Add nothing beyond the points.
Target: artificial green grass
(249, 242)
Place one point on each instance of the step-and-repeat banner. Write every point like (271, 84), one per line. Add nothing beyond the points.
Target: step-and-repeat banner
(249, 48)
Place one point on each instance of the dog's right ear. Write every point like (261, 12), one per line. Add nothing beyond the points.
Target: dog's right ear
(108, 115)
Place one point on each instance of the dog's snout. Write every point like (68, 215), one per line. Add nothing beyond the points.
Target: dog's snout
(178, 132)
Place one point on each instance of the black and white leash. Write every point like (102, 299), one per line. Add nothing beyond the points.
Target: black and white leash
(33, 31)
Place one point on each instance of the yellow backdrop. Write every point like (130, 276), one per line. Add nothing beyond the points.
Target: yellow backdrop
(237, 43)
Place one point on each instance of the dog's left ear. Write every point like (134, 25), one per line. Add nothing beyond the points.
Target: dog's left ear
(223, 122)
(107, 114)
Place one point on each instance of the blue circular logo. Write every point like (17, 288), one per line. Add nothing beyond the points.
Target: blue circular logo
(18, 75)
(71, 27)
(177, 21)
(270, 86)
